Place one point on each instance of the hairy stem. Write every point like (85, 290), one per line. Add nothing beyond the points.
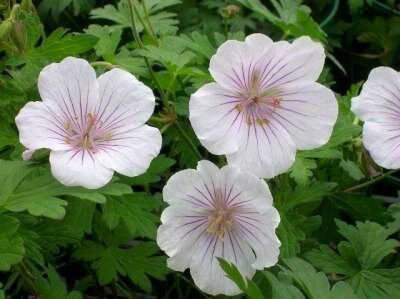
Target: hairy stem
(372, 181)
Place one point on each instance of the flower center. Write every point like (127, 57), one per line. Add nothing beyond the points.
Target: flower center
(87, 135)
(220, 222)
(258, 104)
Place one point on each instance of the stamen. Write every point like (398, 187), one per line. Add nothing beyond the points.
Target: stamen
(239, 107)
(248, 120)
(262, 121)
(220, 224)
(276, 101)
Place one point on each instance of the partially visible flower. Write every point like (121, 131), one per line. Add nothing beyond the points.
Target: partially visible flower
(378, 105)
(93, 127)
(214, 213)
(265, 103)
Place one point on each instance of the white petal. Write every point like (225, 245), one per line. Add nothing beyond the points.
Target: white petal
(258, 230)
(71, 85)
(308, 112)
(214, 118)
(130, 152)
(379, 100)
(231, 65)
(205, 269)
(254, 192)
(302, 60)
(123, 100)
(266, 150)
(383, 143)
(39, 126)
(179, 232)
(192, 189)
(79, 169)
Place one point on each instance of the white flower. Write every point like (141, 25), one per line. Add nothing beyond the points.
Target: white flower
(265, 103)
(93, 127)
(378, 105)
(214, 213)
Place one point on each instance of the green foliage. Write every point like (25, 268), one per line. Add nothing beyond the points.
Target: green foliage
(11, 245)
(137, 262)
(358, 259)
(334, 203)
(54, 287)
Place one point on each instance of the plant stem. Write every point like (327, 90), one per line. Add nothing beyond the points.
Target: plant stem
(372, 181)
(141, 45)
(188, 140)
(385, 7)
(102, 63)
(332, 13)
(147, 18)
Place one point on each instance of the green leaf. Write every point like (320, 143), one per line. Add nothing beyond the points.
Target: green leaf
(108, 40)
(137, 263)
(313, 192)
(54, 287)
(355, 6)
(292, 230)
(293, 18)
(197, 43)
(358, 258)
(244, 284)
(11, 244)
(56, 46)
(352, 169)
(378, 283)
(35, 190)
(134, 211)
(79, 216)
(282, 290)
(368, 241)
(301, 170)
(163, 22)
(314, 284)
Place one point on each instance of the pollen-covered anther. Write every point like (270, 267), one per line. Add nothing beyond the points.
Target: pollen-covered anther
(249, 120)
(220, 223)
(262, 121)
(239, 107)
(276, 101)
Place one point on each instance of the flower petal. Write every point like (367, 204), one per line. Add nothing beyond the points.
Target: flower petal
(292, 63)
(232, 65)
(383, 143)
(379, 100)
(130, 152)
(266, 151)
(40, 126)
(254, 192)
(79, 168)
(258, 230)
(72, 86)
(205, 268)
(123, 100)
(214, 118)
(308, 111)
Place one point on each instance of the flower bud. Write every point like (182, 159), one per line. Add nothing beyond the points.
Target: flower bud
(18, 34)
(229, 11)
(5, 28)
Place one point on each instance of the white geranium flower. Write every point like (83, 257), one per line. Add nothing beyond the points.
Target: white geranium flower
(214, 213)
(378, 105)
(93, 127)
(265, 103)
